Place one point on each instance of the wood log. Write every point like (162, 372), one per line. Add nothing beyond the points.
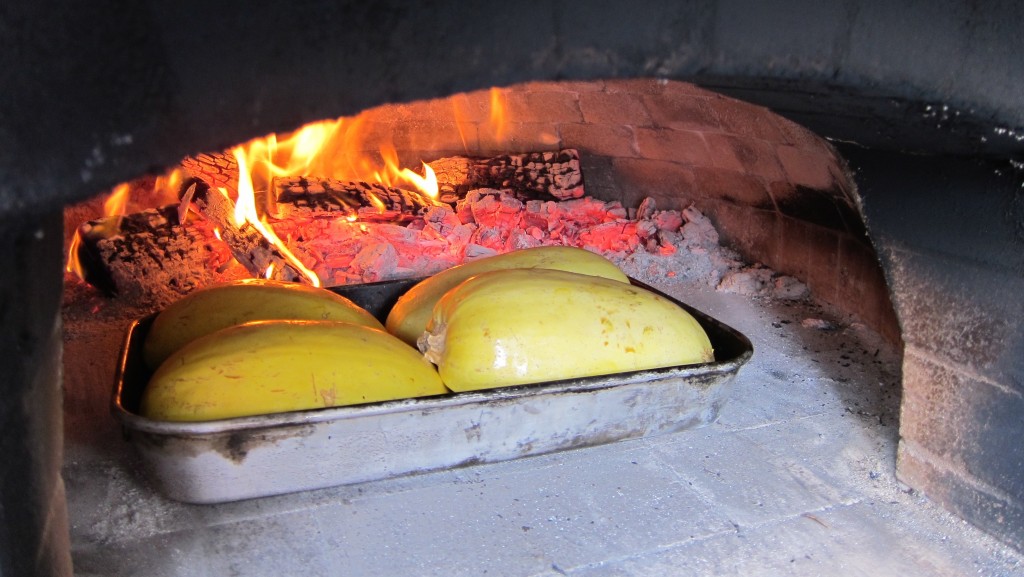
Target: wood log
(530, 176)
(148, 258)
(216, 169)
(248, 245)
(313, 197)
(552, 175)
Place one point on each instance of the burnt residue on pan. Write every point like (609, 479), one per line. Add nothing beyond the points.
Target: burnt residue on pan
(234, 446)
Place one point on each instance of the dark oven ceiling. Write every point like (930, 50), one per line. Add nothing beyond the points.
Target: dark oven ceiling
(100, 93)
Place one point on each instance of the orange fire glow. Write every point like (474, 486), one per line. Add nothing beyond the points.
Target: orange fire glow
(396, 176)
(114, 205)
(74, 265)
(341, 149)
(117, 201)
(345, 149)
(330, 149)
(499, 124)
(245, 211)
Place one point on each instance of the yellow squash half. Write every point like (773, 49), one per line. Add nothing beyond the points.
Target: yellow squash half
(515, 327)
(410, 315)
(265, 367)
(233, 303)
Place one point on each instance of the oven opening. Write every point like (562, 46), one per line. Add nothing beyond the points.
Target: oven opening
(824, 435)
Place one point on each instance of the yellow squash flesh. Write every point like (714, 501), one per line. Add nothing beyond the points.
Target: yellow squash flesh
(220, 306)
(265, 367)
(410, 315)
(516, 327)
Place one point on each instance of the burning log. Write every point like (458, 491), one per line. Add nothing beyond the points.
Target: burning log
(248, 244)
(217, 169)
(531, 176)
(303, 196)
(306, 196)
(149, 257)
(347, 231)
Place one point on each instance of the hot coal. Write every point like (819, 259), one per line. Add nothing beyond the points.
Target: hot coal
(155, 261)
(353, 232)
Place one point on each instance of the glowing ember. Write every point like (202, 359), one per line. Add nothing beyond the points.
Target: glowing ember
(328, 162)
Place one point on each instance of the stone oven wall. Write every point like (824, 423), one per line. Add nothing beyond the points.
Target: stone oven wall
(950, 233)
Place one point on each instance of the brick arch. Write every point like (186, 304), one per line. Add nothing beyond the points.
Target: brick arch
(777, 192)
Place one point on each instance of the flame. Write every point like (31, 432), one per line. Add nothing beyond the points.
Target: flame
(168, 185)
(499, 122)
(346, 149)
(397, 177)
(117, 201)
(459, 104)
(426, 184)
(318, 148)
(113, 206)
(388, 175)
(74, 264)
(378, 204)
(306, 151)
(245, 212)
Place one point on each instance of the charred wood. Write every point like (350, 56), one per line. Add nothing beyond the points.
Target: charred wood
(216, 169)
(530, 176)
(149, 257)
(248, 245)
(310, 197)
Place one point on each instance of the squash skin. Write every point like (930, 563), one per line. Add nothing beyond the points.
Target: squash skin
(232, 303)
(517, 327)
(409, 317)
(275, 366)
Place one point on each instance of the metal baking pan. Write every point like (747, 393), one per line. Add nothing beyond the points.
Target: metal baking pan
(234, 459)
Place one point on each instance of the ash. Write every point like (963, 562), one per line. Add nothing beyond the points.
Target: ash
(649, 245)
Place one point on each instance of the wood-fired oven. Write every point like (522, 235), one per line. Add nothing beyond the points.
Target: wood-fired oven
(871, 149)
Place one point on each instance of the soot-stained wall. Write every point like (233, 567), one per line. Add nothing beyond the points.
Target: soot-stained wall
(950, 232)
(99, 92)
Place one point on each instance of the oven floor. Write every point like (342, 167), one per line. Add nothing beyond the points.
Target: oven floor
(795, 478)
